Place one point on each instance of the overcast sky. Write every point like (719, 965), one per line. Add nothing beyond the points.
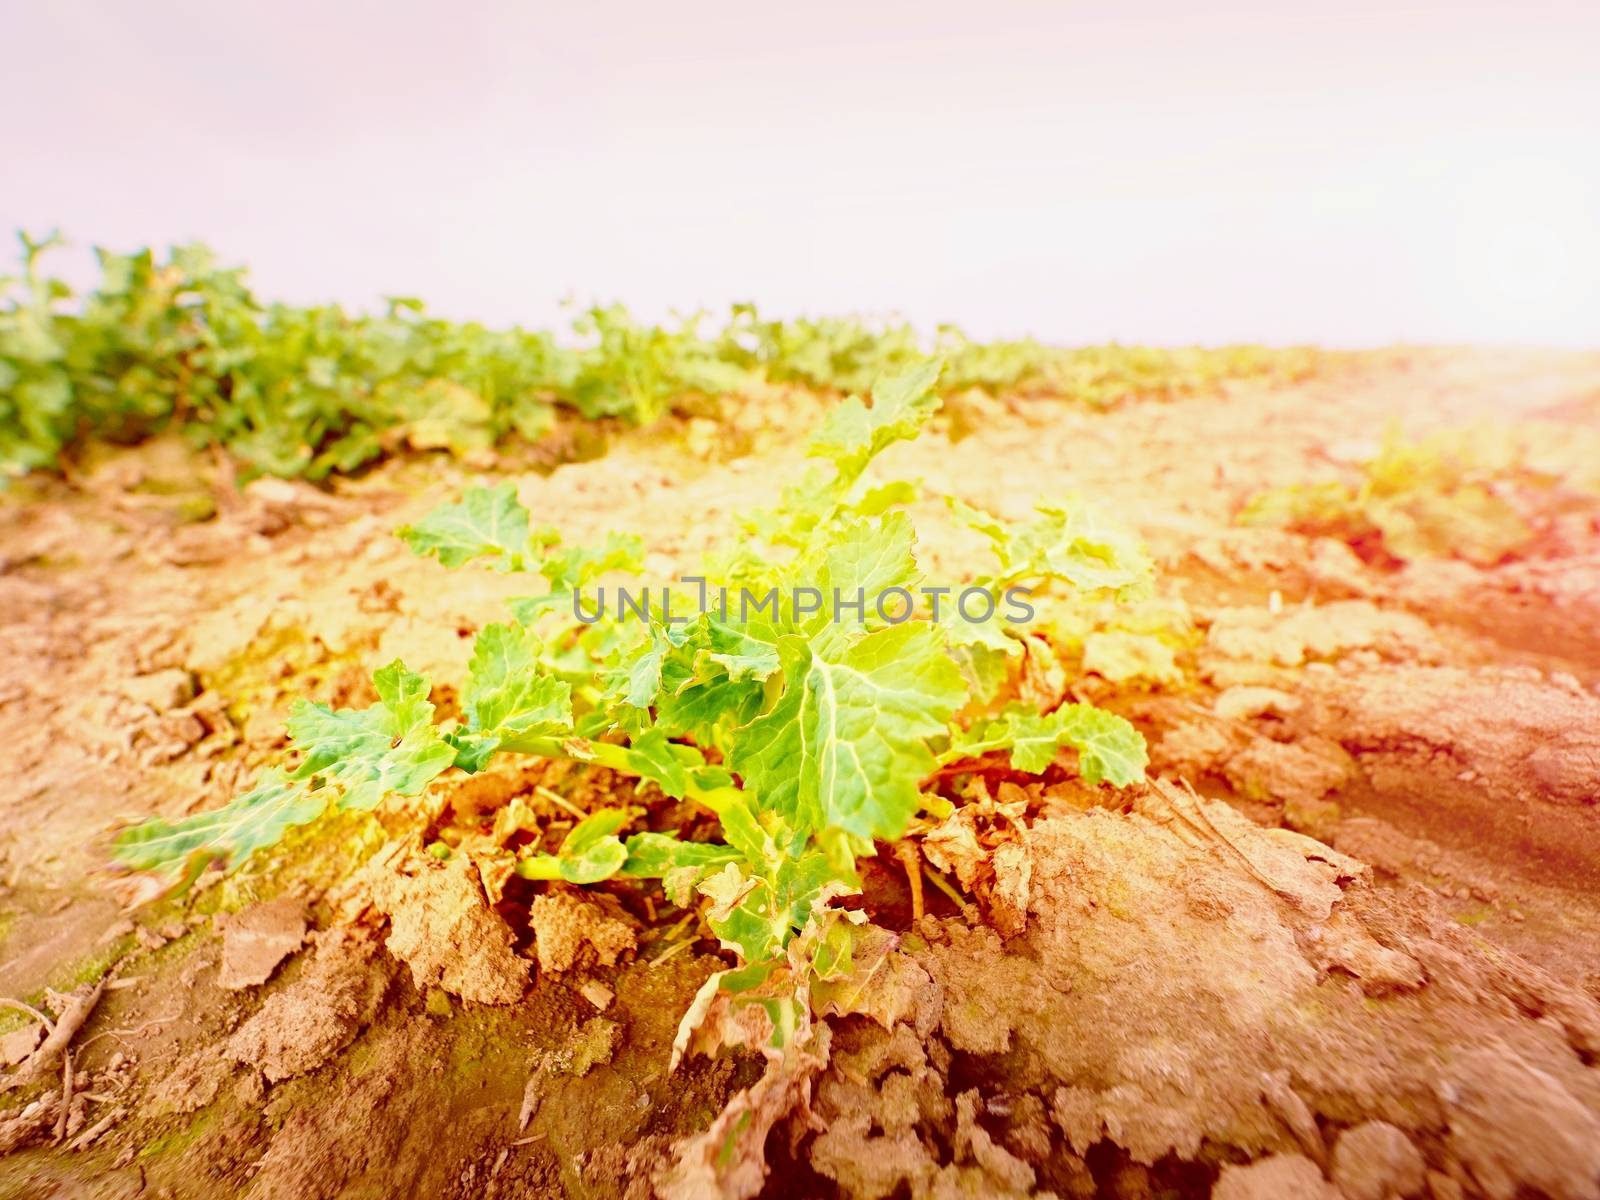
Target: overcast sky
(1356, 172)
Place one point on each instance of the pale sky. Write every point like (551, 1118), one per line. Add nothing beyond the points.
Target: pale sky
(1349, 173)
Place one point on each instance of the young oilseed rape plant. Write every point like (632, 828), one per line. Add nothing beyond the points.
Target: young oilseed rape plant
(810, 736)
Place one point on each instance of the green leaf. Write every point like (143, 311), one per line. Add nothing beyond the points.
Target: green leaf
(485, 523)
(253, 821)
(860, 560)
(651, 756)
(989, 633)
(747, 651)
(985, 670)
(653, 855)
(473, 751)
(1077, 545)
(706, 709)
(1031, 738)
(853, 434)
(508, 694)
(637, 679)
(674, 768)
(391, 747)
(802, 506)
(714, 681)
(573, 566)
(880, 499)
(756, 914)
(846, 745)
(590, 853)
(597, 827)
(1108, 747)
(528, 609)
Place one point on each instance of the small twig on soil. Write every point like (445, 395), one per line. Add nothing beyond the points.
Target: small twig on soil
(672, 950)
(671, 932)
(1187, 806)
(911, 859)
(964, 766)
(557, 798)
(7, 1002)
(76, 1011)
(92, 1134)
(120, 1034)
(943, 884)
(530, 1101)
(678, 925)
(66, 1097)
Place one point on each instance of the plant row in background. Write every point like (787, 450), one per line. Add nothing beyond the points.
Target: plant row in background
(1484, 493)
(183, 343)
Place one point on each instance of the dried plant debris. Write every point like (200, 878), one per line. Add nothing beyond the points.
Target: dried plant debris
(256, 939)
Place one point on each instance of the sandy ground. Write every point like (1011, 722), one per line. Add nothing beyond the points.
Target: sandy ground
(1362, 957)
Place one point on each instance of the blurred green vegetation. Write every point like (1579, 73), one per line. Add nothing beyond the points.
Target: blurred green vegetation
(182, 343)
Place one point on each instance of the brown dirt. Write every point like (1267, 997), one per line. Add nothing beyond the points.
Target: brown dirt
(1364, 956)
(1268, 1000)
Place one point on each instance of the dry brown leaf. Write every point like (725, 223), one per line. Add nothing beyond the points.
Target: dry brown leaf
(257, 939)
(1010, 895)
(728, 1161)
(694, 1017)
(19, 1043)
(953, 847)
(1043, 682)
(884, 983)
